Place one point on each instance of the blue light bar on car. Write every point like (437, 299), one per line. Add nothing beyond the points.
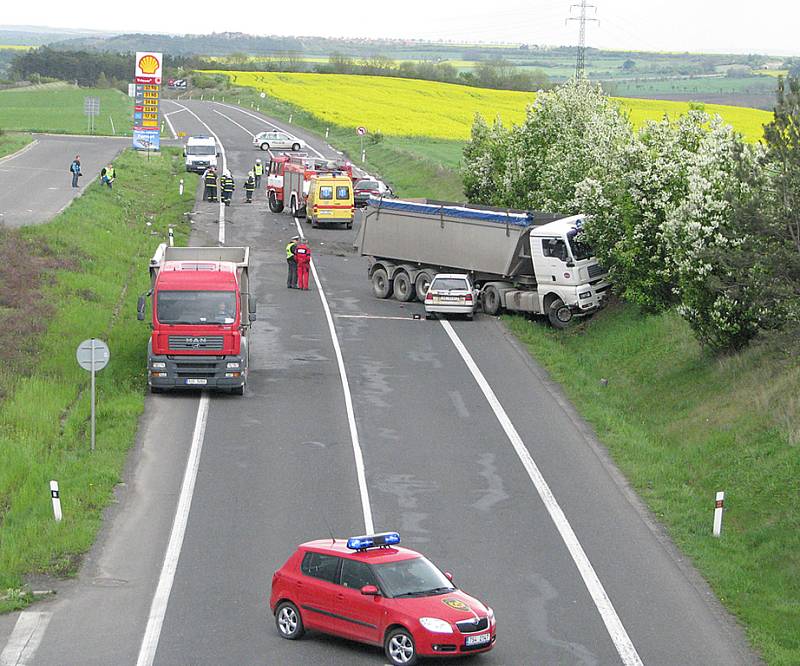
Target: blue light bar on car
(373, 540)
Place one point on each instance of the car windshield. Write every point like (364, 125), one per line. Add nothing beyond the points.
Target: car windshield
(196, 307)
(412, 578)
(449, 284)
(367, 185)
(580, 250)
(200, 150)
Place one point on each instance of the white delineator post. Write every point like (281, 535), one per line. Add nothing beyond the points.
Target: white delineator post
(171, 237)
(718, 509)
(56, 500)
(180, 188)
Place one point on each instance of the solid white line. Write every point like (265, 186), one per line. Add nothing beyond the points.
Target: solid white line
(348, 400)
(169, 123)
(616, 630)
(158, 608)
(25, 639)
(21, 151)
(267, 122)
(234, 122)
(365, 316)
(221, 238)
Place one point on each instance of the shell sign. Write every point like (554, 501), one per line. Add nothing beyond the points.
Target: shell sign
(148, 67)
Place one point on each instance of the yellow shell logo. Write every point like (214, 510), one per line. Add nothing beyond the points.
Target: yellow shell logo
(148, 64)
(456, 604)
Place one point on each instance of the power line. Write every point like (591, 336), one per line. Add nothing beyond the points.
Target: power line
(581, 18)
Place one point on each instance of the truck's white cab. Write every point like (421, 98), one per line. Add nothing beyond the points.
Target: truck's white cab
(200, 152)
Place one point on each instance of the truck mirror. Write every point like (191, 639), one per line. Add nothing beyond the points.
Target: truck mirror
(252, 316)
(140, 308)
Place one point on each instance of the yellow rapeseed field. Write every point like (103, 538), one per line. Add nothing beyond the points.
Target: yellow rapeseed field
(410, 107)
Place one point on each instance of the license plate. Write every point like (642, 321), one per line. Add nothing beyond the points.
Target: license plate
(480, 639)
(326, 212)
(447, 299)
(197, 382)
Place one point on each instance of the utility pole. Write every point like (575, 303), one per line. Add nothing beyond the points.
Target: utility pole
(581, 19)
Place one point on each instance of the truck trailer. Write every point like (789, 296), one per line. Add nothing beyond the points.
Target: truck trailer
(521, 261)
(202, 310)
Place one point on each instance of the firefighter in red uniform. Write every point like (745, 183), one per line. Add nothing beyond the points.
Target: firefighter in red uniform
(302, 253)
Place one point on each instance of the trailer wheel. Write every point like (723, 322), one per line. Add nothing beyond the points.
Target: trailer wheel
(558, 314)
(403, 291)
(491, 301)
(293, 207)
(274, 205)
(381, 285)
(421, 285)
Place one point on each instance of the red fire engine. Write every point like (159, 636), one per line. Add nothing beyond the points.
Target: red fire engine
(288, 179)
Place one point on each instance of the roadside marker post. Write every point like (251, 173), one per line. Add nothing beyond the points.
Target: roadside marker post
(291, 115)
(171, 238)
(718, 509)
(327, 129)
(113, 130)
(361, 131)
(56, 497)
(92, 355)
(180, 187)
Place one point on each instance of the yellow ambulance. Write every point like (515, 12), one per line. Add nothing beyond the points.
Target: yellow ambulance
(330, 201)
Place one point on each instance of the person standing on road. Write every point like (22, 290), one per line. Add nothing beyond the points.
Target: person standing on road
(249, 187)
(228, 186)
(302, 254)
(75, 170)
(210, 184)
(291, 261)
(107, 176)
(258, 171)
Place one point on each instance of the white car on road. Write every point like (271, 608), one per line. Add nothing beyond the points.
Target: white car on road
(451, 293)
(277, 140)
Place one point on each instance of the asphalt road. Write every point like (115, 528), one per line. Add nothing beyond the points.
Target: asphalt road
(277, 468)
(36, 184)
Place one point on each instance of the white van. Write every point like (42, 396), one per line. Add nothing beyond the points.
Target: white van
(200, 153)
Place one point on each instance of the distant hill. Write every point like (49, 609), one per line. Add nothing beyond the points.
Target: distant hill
(37, 36)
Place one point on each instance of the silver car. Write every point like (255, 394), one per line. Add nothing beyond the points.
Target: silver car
(277, 140)
(451, 293)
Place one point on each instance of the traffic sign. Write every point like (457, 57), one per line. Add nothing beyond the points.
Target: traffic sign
(92, 354)
(361, 131)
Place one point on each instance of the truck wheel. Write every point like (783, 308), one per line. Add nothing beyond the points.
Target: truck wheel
(295, 147)
(381, 285)
(403, 291)
(293, 208)
(491, 301)
(558, 314)
(421, 285)
(265, 146)
(274, 205)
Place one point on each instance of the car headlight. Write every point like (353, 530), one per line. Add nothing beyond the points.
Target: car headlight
(159, 364)
(436, 625)
(585, 294)
(233, 365)
(490, 614)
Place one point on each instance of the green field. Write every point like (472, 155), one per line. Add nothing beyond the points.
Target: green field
(75, 277)
(59, 109)
(682, 425)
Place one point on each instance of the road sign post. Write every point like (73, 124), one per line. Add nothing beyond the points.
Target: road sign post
(92, 355)
(91, 109)
(361, 131)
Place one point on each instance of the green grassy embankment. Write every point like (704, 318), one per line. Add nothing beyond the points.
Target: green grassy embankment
(413, 166)
(682, 425)
(73, 278)
(11, 142)
(59, 109)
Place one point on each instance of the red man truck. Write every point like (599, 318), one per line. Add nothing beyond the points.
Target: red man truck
(201, 317)
(288, 179)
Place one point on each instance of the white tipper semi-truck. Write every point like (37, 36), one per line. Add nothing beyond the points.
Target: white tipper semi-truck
(521, 261)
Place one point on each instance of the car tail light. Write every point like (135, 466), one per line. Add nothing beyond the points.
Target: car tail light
(428, 297)
(468, 298)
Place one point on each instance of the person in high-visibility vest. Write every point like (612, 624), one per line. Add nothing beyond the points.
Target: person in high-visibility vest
(210, 183)
(291, 279)
(107, 175)
(228, 185)
(302, 254)
(249, 187)
(258, 171)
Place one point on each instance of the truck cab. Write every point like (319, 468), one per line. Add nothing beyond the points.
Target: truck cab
(201, 316)
(200, 152)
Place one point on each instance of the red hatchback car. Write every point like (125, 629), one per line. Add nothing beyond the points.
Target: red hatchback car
(371, 590)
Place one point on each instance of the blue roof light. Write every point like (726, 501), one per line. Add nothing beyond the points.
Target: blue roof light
(373, 541)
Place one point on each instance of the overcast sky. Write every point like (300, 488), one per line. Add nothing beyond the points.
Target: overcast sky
(767, 26)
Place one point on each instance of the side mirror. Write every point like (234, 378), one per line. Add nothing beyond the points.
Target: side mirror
(140, 304)
(370, 591)
(449, 576)
(252, 305)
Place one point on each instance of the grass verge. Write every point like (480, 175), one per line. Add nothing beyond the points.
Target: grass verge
(682, 425)
(11, 142)
(60, 110)
(89, 265)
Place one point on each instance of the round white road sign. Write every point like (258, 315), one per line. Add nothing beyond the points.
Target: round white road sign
(92, 352)
(361, 131)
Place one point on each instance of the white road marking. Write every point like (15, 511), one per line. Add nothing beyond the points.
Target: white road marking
(158, 608)
(169, 122)
(348, 400)
(366, 316)
(25, 639)
(221, 238)
(616, 630)
(234, 122)
(21, 151)
(266, 122)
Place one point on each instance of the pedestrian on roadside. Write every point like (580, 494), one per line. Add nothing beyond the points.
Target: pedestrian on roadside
(249, 187)
(291, 279)
(107, 175)
(75, 170)
(258, 171)
(302, 255)
(227, 185)
(210, 184)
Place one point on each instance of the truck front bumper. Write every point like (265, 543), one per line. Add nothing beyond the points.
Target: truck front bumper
(196, 372)
(591, 298)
